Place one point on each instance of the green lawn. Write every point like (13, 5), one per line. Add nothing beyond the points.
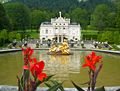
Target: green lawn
(34, 35)
(89, 32)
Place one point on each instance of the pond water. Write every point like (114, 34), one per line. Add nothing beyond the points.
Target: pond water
(65, 68)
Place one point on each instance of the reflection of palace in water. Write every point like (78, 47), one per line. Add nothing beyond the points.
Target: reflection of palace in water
(62, 66)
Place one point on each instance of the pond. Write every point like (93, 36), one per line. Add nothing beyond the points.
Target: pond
(65, 68)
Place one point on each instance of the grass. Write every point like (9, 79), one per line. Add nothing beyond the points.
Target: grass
(89, 32)
(31, 32)
(34, 35)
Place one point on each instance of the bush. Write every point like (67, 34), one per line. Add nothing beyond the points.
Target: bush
(110, 36)
(3, 37)
(115, 47)
(14, 35)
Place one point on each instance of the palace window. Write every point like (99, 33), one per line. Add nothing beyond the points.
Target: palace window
(46, 31)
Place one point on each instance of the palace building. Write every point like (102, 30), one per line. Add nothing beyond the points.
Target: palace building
(59, 29)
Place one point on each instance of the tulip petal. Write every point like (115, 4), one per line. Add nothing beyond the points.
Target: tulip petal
(31, 52)
(41, 76)
(25, 67)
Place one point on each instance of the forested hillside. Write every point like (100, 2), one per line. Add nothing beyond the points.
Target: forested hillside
(62, 5)
(85, 12)
(97, 15)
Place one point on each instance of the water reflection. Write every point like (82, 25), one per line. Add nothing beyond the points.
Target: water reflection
(62, 66)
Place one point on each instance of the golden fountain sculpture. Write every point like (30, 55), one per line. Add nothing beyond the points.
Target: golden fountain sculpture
(62, 49)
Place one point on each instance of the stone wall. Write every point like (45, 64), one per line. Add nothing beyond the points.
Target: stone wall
(15, 88)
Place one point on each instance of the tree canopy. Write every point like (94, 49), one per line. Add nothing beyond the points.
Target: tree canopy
(4, 19)
(99, 18)
(118, 16)
(39, 16)
(63, 5)
(102, 15)
(80, 16)
(19, 15)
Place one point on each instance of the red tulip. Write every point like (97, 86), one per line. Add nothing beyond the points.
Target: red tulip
(93, 57)
(34, 67)
(91, 60)
(27, 55)
(27, 52)
(89, 64)
(37, 68)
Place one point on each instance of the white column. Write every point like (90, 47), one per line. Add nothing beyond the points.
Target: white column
(41, 41)
(57, 38)
(61, 38)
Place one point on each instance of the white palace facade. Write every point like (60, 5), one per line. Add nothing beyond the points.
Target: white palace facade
(58, 29)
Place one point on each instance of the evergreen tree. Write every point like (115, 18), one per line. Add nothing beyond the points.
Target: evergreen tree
(4, 20)
(64, 5)
(19, 14)
(53, 5)
(39, 16)
(80, 16)
(99, 18)
(118, 16)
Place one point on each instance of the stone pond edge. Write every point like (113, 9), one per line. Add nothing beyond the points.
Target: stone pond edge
(15, 88)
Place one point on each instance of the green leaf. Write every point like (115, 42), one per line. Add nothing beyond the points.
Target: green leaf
(48, 78)
(61, 88)
(38, 83)
(56, 83)
(100, 89)
(22, 82)
(18, 83)
(27, 74)
(20, 87)
(45, 80)
(55, 87)
(48, 85)
(77, 87)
